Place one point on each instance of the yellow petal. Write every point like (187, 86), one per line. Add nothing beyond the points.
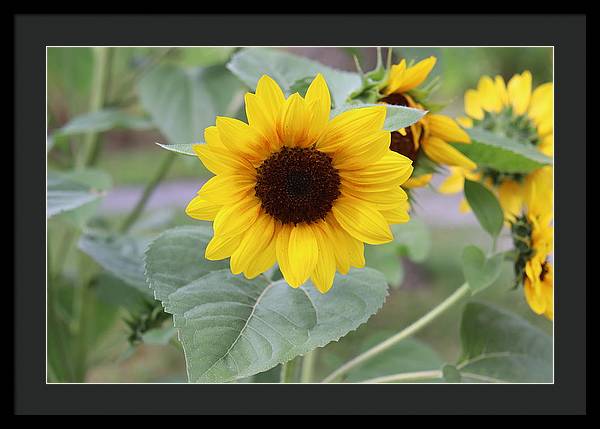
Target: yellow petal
(222, 246)
(488, 95)
(473, 104)
(398, 214)
(542, 101)
(237, 218)
(363, 151)
(294, 122)
(261, 118)
(519, 92)
(534, 298)
(213, 138)
(361, 220)
(387, 199)
(501, 90)
(510, 195)
(324, 272)
(392, 169)
(241, 138)
(221, 160)
(415, 75)
(442, 153)
(454, 183)
(417, 182)
(303, 253)
(345, 128)
(270, 95)
(264, 260)
(547, 145)
(254, 241)
(395, 79)
(465, 122)
(201, 209)
(226, 189)
(447, 129)
(319, 101)
(464, 206)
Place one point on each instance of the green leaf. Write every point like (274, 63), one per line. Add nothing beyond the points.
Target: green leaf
(386, 259)
(66, 193)
(488, 149)
(159, 336)
(121, 255)
(203, 57)
(451, 374)
(231, 327)
(183, 102)
(485, 206)
(116, 292)
(499, 346)
(251, 64)
(480, 272)
(103, 120)
(184, 149)
(410, 355)
(397, 116)
(414, 239)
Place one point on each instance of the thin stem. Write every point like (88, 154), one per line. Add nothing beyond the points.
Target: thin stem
(308, 366)
(150, 187)
(407, 376)
(87, 149)
(405, 333)
(288, 371)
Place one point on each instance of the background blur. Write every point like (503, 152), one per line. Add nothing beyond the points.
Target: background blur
(131, 158)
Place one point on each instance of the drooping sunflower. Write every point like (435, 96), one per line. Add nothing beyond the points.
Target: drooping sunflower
(515, 111)
(532, 234)
(432, 133)
(292, 186)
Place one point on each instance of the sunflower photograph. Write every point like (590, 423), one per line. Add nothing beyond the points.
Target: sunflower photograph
(302, 214)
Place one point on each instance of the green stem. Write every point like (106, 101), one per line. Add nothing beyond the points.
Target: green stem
(150, 187)
(288, 371)
(461, 292)
(407, 376)
(87, 149)
(308, 365)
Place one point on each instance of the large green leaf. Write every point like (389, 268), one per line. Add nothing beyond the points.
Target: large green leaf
(501, 347)
(479, 270)
(103, 120)
(485, 206)
(231, 327)
(488, 149)
(65, 192)
(251, 63)
(397, 116)
(413, 238)
(120, 255)
(410, 355)
(386, 259)
(183, 102)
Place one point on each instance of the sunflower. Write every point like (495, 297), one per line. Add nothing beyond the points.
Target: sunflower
(515, 111)
(432, 133)
(292, 186)
(533, 239)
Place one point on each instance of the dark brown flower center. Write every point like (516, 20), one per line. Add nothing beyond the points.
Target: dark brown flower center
(297, 185)
(402, 144)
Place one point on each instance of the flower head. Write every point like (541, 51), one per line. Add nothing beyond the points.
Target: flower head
(430, 135)
(533, 239)
(295, 187)
(515, 111)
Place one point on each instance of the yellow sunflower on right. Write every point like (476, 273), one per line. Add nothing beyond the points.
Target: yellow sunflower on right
(532, 234)
(515, 111)
(432, 133)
